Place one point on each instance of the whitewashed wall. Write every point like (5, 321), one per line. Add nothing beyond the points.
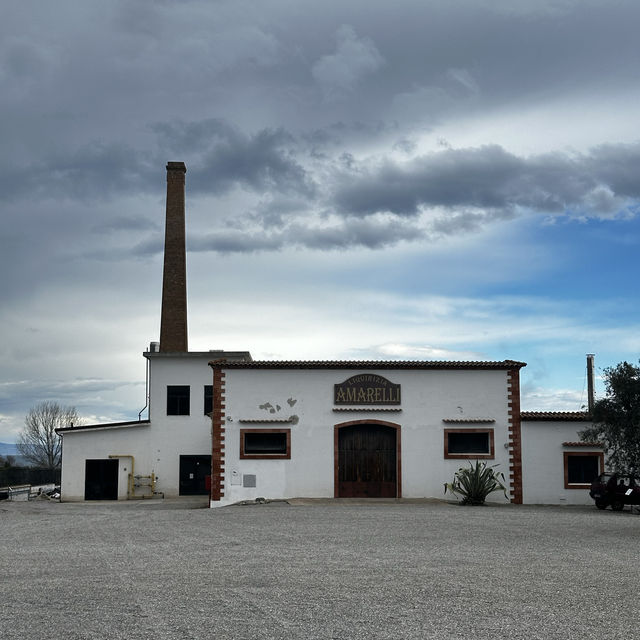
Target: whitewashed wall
(173, 436)
(543, 461)
(156, 447)
(100, 443)
(428, 397)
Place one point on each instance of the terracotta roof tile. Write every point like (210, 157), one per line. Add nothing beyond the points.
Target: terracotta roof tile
(567, 416)
(367, 364)
(468, 420)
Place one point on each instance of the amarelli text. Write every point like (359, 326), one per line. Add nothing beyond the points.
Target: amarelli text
(366, 389)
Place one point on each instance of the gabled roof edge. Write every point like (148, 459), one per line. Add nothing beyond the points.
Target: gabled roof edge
(367, 364)
(106, 425)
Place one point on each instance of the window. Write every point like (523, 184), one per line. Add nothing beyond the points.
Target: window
(208, 398)
(178, 400)
(581, 468)
(468, 443)
(265, 443)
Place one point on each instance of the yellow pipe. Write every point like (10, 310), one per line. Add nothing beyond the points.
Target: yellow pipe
(131, 487)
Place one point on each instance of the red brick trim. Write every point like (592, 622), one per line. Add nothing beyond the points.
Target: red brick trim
(515, 438)
(217, 439)
(384, 423)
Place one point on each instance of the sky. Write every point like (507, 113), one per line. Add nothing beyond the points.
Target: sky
(365, 180)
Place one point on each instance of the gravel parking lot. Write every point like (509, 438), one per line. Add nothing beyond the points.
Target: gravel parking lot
(316, 569)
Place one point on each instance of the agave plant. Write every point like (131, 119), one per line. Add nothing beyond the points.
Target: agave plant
(474, 484)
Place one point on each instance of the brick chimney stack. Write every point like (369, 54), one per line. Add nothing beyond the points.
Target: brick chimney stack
(173, 322)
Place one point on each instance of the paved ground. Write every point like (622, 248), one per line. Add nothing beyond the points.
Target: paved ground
(316, 570)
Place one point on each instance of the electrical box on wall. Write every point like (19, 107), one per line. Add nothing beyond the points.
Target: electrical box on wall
(249, 480)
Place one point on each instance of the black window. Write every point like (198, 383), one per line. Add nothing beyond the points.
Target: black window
(263, 443)
(582, 469)
(468, 443)
(208, 398)
(178, 400)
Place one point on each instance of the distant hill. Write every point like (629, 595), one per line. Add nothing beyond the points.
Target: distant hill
(10, 449)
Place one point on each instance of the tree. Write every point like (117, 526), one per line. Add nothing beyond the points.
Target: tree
(7, 461)
(616, 419)
(38, 441)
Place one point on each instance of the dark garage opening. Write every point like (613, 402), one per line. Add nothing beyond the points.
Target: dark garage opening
(193, 475)
(101, 480)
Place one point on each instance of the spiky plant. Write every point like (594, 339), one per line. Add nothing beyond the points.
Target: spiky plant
(475, 483)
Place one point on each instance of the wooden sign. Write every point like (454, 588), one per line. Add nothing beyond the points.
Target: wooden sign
(366, 388)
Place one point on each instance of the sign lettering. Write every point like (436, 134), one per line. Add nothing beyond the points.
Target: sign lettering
(366, 388)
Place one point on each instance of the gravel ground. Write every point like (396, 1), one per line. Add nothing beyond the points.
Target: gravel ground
(316, 569)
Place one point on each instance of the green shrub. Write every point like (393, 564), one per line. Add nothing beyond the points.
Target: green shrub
(474, 484)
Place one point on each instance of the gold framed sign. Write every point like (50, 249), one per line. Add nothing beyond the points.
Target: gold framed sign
(366, 388)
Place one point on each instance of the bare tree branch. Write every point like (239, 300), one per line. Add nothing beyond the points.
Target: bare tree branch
(38, 441)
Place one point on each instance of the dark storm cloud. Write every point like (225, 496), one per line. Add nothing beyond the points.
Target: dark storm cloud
(496, 181)
(375, 204)
(127, 223)
(618, 166)
(262, 161)
(340, 235)
(223, 157)
(16, 394)
(95, 170)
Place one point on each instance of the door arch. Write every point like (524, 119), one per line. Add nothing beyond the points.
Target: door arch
(367, 462)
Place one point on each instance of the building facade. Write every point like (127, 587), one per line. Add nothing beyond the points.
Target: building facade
(222, 425)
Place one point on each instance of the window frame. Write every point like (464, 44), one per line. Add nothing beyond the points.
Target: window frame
(584, 454)
(178, 399)
(208, 395)
(490, 455)
(265, 456)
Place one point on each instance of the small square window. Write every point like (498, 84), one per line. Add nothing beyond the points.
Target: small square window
(208, 398)
(265, 443)
(581, 468)
(468, 443)
(178, 400)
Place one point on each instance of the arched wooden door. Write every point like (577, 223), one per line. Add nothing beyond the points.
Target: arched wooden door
(367, 460)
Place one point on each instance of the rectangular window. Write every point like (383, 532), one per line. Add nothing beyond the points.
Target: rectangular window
(208, 399)
(581, 468)
(468, 443)
(265, 443)
(178, 400)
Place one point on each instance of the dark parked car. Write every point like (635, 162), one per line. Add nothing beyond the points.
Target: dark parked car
(615, 489)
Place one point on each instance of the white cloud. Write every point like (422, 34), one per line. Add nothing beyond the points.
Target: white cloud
(426, 352)
(541, 399)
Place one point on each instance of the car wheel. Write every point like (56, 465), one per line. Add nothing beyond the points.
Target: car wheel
(601, 504)
(617, 505)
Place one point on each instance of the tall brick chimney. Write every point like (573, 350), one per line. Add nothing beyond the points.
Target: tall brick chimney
(173, 322)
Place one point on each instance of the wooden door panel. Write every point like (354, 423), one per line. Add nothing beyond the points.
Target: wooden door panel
(367, 462)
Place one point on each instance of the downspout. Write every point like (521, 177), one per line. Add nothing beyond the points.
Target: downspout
(146, 391)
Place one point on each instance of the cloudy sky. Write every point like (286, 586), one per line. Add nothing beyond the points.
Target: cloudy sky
(388, 180)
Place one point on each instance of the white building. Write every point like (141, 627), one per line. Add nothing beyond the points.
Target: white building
(224, 425)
